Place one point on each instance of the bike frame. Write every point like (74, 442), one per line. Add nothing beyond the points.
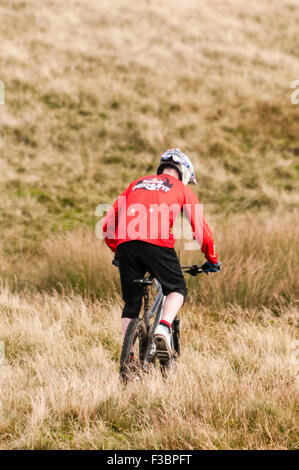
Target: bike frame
(156, 312)
(160, 298)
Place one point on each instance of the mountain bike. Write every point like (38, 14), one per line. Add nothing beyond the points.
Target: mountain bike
(139, 350)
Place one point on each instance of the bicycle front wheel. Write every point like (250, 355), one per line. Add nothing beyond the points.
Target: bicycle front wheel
(133, 350)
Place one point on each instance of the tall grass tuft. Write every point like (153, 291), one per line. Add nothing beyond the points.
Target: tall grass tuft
(78, 262)
(260, 262)
(259, 255)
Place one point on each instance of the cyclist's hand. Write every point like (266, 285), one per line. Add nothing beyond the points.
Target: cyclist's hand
(211, 267)
(115, 261)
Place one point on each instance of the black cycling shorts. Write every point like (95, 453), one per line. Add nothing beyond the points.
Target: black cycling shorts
(138, 257)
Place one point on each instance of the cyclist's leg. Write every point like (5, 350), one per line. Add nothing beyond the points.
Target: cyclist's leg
(172, 305)
(130, 269)
(163, 263)
(130, 311)
(163, 332)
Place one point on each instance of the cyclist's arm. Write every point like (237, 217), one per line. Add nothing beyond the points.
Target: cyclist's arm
(110, 221)
(201, 230)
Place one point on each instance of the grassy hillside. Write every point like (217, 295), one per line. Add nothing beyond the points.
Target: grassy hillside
(95, 92)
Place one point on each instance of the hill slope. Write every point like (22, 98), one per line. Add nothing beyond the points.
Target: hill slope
(95, 92)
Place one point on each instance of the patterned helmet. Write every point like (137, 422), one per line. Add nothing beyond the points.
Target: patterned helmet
(174, 158)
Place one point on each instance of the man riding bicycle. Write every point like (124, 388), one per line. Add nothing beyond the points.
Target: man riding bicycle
(150, 248)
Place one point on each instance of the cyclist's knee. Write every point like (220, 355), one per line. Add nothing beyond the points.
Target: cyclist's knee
(180, 290)
(132, 309)
(184, 292)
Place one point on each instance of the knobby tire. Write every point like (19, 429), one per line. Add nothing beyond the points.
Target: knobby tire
(136, 331)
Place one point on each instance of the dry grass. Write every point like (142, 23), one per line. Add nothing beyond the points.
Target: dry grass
(234, 387)
(94, 93)
(259, 254)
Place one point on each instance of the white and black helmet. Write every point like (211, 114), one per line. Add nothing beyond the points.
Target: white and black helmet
(174, 158)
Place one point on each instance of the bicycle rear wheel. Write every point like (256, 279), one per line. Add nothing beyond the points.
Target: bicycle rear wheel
(136, 341)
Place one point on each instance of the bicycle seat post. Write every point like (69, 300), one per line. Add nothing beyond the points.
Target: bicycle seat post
(147, 309)
(146, 284)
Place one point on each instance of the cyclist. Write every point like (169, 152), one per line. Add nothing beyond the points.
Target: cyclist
(150, 248)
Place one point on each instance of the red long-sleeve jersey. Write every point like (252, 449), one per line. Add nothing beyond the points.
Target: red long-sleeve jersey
(147, 210)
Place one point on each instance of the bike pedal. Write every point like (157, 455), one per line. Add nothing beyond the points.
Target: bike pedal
(163, 355)
(162, 351)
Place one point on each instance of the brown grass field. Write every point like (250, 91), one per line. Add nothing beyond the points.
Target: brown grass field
(95, 91)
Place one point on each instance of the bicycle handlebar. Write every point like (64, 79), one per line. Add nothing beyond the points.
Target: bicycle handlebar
(193, 270)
